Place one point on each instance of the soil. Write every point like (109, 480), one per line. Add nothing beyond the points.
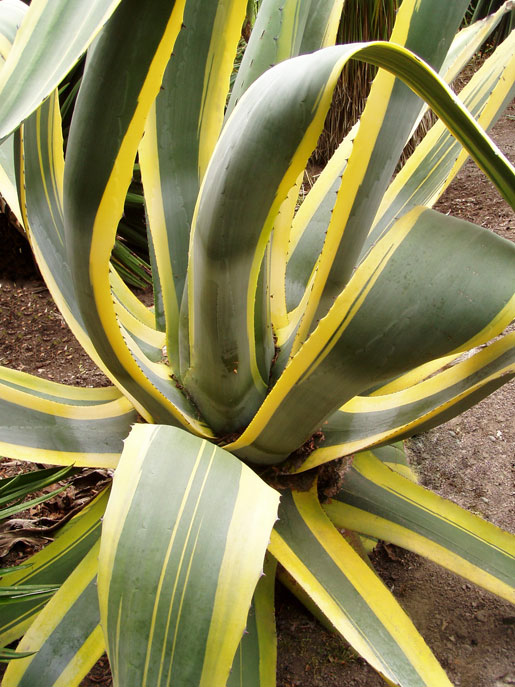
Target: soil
(470, 460)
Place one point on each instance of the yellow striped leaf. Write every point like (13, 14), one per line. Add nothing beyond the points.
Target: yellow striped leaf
(349, 594)
(255, 661)
(66, 639)
(378, 502)
(179, 614)
(42, 56)
(45, 422)
(358, 342)
(368, 420)
(51, 565)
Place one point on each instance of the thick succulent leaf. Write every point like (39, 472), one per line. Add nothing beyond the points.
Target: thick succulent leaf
(42, 162)
(439, 157)
(279, 246)
(441, 307)
(469, 40)
(98, 170)
(137, 321)
(179, 614)
(465, 44)
(420, 182)
(53, 35)
(307, 236)
(11, 16)
(40, 169)
(149, 341)
(45, 422)
(385, 125)
(255, 662)
(394, 456)
(349, 594)
(180, 134)
(52, 565)
(285, 29)
(221, 317)
(378, 502)
(8, 177)
(264, 146)
(126, 300)
(65, 640)
(369, 420)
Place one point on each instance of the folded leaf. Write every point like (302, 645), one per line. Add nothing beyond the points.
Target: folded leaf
(53, 35)
(440, 307)
(255, 661)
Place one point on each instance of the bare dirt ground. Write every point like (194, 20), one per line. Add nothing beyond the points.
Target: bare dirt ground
(470, 460)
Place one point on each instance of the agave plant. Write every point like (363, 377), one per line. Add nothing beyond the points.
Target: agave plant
(281, 338)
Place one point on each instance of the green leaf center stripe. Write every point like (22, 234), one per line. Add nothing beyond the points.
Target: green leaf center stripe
(222, 255)
(430, 169)
(364, 420)
(428, 85)
(41, 56)
(172, 573)
(228, 20)
(376, 489)
(94, 203)
(52, 391)
(79, 622)
(70, 410)
(166, 562)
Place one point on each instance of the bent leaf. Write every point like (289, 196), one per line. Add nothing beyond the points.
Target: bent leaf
(50, 423)
(359, 343)
(370, 420)
(255, 662)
